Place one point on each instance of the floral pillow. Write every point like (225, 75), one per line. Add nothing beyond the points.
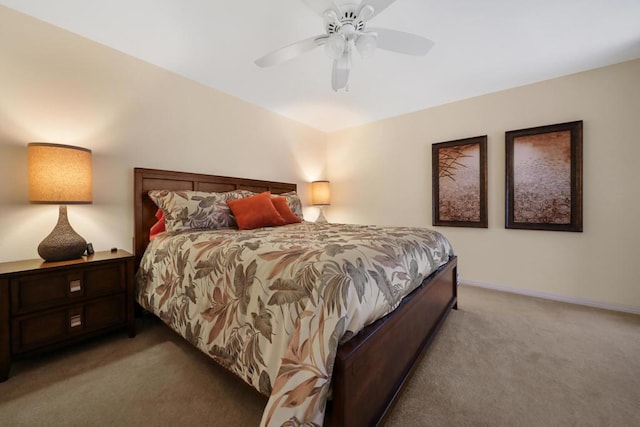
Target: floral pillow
(294, 203)
(185, 210)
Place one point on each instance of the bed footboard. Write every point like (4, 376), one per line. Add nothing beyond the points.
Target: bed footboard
(371, 368)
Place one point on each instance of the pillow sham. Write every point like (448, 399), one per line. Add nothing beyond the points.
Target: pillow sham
(186, 210)
(282, 206)
(255, 212)
(159, 226)
(294, 203)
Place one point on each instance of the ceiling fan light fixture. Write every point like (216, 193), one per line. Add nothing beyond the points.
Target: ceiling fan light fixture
(366, 44)
(334, 48)
(348, 31)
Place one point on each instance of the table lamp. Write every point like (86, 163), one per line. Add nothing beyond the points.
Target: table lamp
(60, 174)
(320, 196)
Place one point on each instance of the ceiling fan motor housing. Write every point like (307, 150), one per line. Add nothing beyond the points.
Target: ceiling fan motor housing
(347, 24)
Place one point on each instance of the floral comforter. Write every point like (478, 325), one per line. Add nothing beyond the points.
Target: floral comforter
(272, 304)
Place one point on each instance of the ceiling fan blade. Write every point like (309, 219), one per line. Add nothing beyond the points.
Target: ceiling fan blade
(401, 42)
(378, 6)
(321, 6)
(339, 77)
(340, 72)
(291, 51)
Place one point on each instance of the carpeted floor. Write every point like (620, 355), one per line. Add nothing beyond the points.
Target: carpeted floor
(500, 360)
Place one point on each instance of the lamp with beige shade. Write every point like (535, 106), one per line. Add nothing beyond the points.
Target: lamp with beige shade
(320, 196)
(60, 174)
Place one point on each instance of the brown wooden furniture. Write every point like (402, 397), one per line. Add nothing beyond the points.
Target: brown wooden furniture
(46, 305)
(371, 367)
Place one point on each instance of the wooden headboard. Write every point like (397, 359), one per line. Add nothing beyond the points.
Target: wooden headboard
(153, 179)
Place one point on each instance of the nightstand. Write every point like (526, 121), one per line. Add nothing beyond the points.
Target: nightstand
(47, 305)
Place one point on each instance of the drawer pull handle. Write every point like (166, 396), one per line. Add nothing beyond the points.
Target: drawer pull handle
(76, 321)
(75, 286)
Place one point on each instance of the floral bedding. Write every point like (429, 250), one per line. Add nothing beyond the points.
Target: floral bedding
(273, 304)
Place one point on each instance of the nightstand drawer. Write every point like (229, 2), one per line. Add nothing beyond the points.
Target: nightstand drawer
(40, 291)
(54, 326)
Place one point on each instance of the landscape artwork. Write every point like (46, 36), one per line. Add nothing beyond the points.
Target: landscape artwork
(541, 177)
(459, 183)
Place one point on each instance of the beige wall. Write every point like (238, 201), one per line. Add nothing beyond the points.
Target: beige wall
(381, 173)
(58, 87)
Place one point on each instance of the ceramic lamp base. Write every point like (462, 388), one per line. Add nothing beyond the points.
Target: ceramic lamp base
(63, 243)
(321, 218)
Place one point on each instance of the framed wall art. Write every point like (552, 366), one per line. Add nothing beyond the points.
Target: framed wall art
(459, 180)
(544, 177)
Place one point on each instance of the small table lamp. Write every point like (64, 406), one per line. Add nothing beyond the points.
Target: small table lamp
(320, 196)
(60, 174)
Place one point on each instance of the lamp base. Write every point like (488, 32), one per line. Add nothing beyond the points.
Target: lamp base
(63, 243)
(321, 219)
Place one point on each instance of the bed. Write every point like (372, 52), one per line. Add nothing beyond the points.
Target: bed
(370, 367)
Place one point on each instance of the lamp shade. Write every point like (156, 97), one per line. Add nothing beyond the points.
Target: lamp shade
(320, 194)
(59, 174)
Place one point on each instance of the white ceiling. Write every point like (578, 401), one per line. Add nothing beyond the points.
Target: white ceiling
(480, 47)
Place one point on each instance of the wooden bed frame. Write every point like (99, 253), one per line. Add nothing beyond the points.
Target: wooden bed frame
(370, 368)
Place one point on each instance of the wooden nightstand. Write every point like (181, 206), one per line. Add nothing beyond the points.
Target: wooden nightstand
(46, 305)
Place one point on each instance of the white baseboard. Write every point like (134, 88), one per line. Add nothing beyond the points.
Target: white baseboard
(554, 297)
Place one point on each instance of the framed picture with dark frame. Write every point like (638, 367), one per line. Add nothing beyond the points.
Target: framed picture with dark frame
(459, 182)
(544, 177)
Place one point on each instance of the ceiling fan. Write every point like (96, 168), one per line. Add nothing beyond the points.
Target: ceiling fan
(347, 28)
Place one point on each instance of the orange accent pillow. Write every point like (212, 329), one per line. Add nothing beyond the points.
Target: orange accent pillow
(159, 226)
(282, 206)
(255, 212)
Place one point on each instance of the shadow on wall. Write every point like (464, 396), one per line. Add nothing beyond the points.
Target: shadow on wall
(13, 173)
(15, 224)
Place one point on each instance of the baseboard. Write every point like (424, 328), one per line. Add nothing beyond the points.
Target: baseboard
(554, 297)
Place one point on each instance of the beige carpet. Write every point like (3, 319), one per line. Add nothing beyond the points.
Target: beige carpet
(501, 360)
